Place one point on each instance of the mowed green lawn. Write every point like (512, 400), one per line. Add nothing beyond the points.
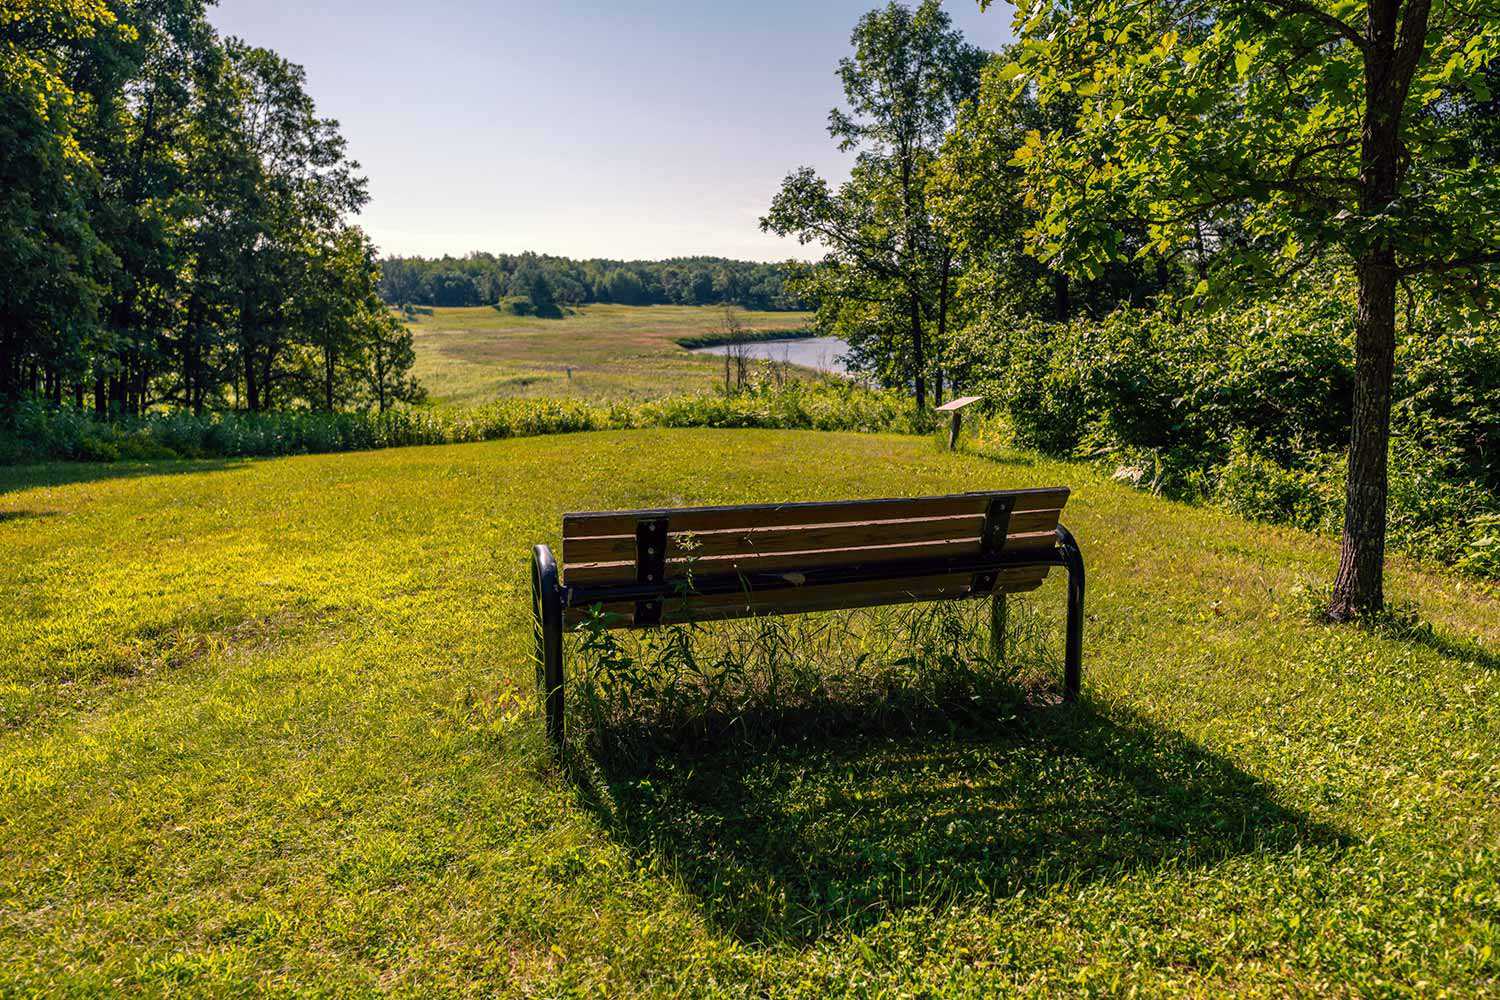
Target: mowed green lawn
(267, 726)
(471, 356)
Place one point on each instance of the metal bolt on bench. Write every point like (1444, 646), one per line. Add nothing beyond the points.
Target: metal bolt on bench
(771, 559)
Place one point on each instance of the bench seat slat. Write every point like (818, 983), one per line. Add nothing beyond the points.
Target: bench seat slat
(802, 538)
(820, 598)
(605, 523)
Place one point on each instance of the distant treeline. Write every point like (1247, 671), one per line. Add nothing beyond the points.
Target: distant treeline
(547, 283)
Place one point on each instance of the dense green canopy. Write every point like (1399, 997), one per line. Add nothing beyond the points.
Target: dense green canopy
(174, 221)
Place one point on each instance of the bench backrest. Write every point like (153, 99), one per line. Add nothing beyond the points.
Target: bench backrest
(622, 548)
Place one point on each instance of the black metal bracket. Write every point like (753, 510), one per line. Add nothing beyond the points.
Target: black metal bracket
(992, 541)
(547, 602)
(1069, 555)
(650, 566)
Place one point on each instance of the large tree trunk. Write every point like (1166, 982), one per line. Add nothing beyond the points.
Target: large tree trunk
(1062, 302)
(1391, 53)
(1359, 587)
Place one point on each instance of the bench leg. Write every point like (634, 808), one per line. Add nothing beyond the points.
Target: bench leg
(998, 611)
(546, 604)
(1072, 558)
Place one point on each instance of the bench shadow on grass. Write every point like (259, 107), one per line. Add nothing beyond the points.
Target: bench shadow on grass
(817, 837)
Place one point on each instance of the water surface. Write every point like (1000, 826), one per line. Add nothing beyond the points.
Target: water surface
(826, 354)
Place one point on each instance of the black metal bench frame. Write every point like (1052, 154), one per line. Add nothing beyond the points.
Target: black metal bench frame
(550, 599)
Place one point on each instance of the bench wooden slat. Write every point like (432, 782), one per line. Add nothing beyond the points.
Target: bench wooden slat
(625, 572)
(802, 538)
(605, 523)
(825, 598)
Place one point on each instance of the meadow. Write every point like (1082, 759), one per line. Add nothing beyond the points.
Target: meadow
(268, 726)
(470, 356)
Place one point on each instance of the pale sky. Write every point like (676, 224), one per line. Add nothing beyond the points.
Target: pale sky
(586, 128)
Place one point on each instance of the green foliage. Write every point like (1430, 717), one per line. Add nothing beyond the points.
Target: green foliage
(496, 279)
(175, 223)
(755, 681)
(1256, 487)
(1226, 120)
(523, 305)
(1245, 144)
(42, 433)
(888, 272)
(50, 255)
(980, 202)
(1449, 401)
(1249, 409)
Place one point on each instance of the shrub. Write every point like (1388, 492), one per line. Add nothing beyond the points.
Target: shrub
(1256, 487)
(1249, 409)
(41, 433)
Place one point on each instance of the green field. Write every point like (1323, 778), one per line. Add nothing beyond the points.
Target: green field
(267, 726)
(471, 356)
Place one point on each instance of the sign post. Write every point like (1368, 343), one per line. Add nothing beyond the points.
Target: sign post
(956, 408)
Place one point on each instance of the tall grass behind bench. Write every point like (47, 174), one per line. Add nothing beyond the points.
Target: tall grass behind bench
(40, 433)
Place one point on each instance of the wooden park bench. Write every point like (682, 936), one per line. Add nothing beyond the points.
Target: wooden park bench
(651, 567)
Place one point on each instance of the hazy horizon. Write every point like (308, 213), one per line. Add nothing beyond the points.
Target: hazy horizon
(659, 131)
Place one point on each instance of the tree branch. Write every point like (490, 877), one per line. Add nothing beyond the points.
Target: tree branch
(1481, 259)
(1342, 28)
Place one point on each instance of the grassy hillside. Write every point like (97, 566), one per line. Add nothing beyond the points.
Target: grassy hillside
(470, 356)
(269, 725)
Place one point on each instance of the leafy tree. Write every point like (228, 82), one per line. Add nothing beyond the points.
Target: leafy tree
(388, 357)
(401, 281)
(625, 287)
(909, 73)
(1258, 140)
(174, 220)
(142, 80)
(981, 206)
(543, 299)
(50, 255)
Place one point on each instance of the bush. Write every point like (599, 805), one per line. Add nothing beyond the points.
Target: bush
(1255, 487)
(42, 433)
(1249, 410)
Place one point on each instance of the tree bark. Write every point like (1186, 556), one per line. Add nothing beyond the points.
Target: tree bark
(942, 325)
(252, 387)
(1359, 587)
(919, 355)
(328, 379)
(8, 388)
(1390, 62)
(1061, 299)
